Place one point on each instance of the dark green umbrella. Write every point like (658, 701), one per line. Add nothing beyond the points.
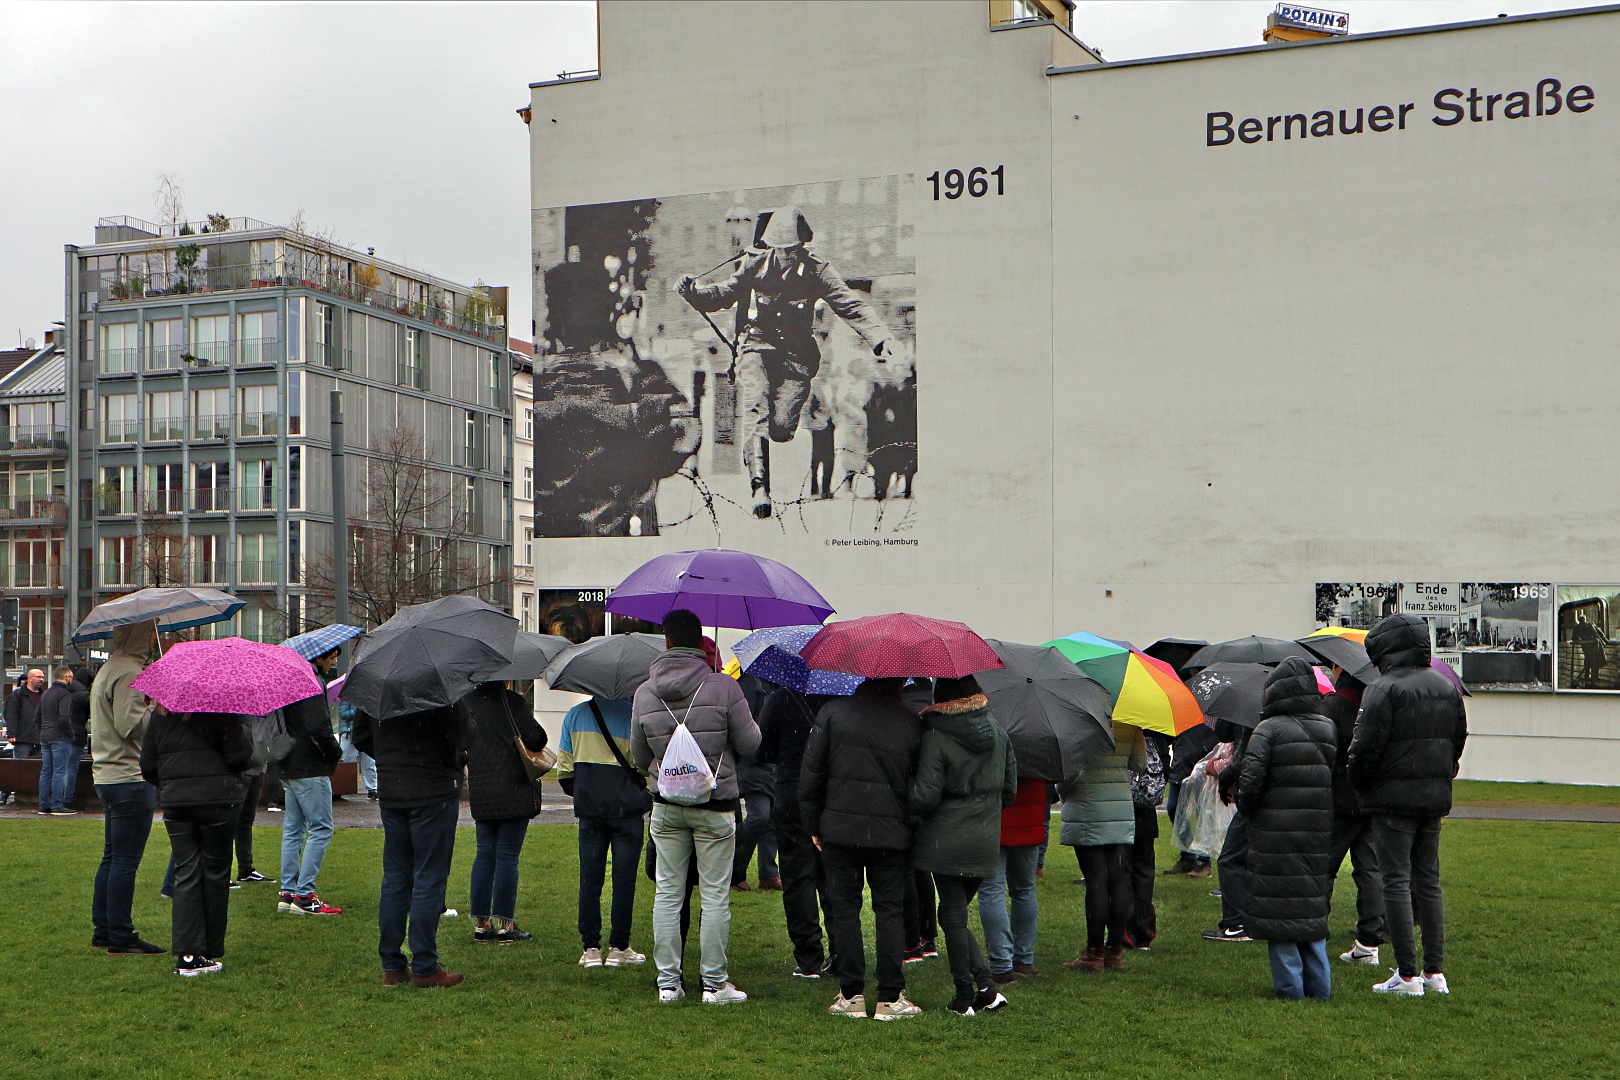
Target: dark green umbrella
(1057, 717)
(607, 667)
(428, 656)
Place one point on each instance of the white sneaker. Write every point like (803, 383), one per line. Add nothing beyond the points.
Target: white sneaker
(591, 958)
(1435, 984)
(667, 994)
(1360, 954)
(897, 1009)
(724, 995)
(853, 1007)
(626, 957)
(1412, 987)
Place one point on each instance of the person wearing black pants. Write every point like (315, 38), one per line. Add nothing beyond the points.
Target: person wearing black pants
(922, 923)
(196, 760)
(1233, 862)
(245, 870)
(1107, 870)
(884, 871)
(1099, 822)
(785, 719)
(1147, 789)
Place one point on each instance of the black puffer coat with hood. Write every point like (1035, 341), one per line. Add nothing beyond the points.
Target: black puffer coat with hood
(966, 774)
(1285, 789)
(1410, 733)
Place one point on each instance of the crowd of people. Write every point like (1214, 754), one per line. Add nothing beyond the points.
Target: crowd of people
(907, 791)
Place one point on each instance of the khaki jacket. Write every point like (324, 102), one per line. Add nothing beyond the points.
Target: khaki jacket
(118, 715)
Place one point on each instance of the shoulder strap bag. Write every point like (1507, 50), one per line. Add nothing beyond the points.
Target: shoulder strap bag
(635, 775)
(536, 763)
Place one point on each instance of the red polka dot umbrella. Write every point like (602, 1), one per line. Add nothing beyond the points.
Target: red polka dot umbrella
(900, 646)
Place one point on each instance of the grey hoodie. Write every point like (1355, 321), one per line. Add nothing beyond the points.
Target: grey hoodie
(681, 686)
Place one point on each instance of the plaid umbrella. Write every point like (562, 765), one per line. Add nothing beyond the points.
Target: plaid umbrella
(322, 641)
(231, 675)
(773, 655)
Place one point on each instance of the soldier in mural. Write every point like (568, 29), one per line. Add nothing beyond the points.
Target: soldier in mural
(774, 288)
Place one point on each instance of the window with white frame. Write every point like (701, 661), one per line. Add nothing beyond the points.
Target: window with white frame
(164, 344)
(528, 424)
(528, 483)
(258, 558)
(209, 565)
(211, 339)
(528, 611)
(165, 488)
(118, 560)
(118, 489)
(256, 411)
(528, 546)
(166, 416)
(211, 413)
(211, 486)
(256, 480)
(120, 347)
(256, 337)
(119, 420)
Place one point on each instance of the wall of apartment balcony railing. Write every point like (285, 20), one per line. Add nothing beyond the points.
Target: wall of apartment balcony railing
(34, 510)
(438, 308)
(198, 355)
(243, 498)
(31, 575)
(33, 437)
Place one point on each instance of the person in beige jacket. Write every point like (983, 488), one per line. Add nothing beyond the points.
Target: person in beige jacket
(118, 717)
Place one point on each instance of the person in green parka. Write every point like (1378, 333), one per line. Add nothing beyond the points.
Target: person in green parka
(1099, 822)
(966, 774)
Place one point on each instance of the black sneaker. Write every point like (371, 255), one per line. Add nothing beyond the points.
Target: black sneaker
(962, 1003)
(252, 875)
(1235, 934)
(989, 999)
(915, 955)
(807, 973)
(99, 941)
(196, 965)
(483, 935)
(135, 947)
(927, 947)
(511, 935)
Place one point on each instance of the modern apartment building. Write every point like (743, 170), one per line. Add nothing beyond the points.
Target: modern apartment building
(33, 503)
(200, 366)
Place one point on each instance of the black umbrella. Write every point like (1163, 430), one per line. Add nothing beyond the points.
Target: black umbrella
(1344, 652)
(530, 655)
(1057, 717)
(1231, 692)
(1175, 651)
(428, 656)
(1245, 650)
(608, 667)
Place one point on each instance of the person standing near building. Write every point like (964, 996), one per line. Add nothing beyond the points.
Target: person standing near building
(503, 801)
(1099, 822)
(774, 288)
(58, 749)
(306, 782)
(196, 761)
(785, 722)
(419, 761)
(1285, 790)
(22, 714)
(966, 775)
(610, 799)
(853, 789)
(118, 719)
(1009, 943)
(1234, 856)
(683, 688)
(1352, 829)
(1408, 741)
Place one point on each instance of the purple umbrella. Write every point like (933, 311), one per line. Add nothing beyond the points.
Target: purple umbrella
(722, 588)
(1445, 669)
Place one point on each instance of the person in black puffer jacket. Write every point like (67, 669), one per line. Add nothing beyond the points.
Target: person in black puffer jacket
(196, 760)
(1408, 741)
(503, 800)
(858, 765)
(1285, 790)
(1352, 829)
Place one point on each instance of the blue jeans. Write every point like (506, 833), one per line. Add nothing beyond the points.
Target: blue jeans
(126, 824)
(597, 835)
(367, 767)
(1010, 941)
(58, 770)
(1299, 969)
(306, 829)
(417, 847)
(495, 868)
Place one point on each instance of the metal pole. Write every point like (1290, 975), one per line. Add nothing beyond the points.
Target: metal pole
(340, 519)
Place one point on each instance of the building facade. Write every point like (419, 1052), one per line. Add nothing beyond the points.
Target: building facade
(33, 505)
(1193, 347)
(523, 599)
(201, 363)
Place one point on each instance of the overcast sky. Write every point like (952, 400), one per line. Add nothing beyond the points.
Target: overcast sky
(392, 124)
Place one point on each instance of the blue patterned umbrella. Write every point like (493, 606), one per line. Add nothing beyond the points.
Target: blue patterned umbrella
(773, 655)
(322, 641)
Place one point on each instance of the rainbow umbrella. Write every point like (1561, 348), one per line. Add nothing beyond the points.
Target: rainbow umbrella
(1145, 692)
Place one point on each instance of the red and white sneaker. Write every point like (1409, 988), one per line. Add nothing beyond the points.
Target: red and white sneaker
(314, 905)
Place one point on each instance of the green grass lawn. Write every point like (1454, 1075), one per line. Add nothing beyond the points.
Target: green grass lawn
(1492, 793)
(1533, 952)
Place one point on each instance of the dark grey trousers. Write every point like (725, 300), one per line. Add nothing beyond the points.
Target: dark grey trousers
(1409, 857)
(200, 837)
(1352, 835)
(1234, 868)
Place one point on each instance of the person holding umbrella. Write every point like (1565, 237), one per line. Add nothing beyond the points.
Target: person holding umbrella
(306, 782)
(683, 690)
(966, 774)
(1099, 822)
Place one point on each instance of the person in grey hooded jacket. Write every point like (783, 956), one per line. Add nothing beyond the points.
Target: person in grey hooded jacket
(682, 688)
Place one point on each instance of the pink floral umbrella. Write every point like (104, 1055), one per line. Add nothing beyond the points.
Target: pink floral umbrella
(231, 675)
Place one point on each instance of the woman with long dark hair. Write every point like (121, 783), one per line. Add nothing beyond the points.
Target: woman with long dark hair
(503, 800)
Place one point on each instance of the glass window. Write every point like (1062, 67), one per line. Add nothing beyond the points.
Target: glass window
(212, 488)
(295, 477)
(259, 623)
(118, 489)
(528, 424)
(259, 559)
(163, 344)
(256, 337)
(528, 483)
(256, 411)
(211, 339)
(295, 561)
(165, 488)
(209, 565)
(325, 336)
(295, 403)
(413, 369)
(165, 415)
(118, 561)
(211, 413)
(120, 347)
(295, 330)
(118, 418)
(257, 477)
(528, 547)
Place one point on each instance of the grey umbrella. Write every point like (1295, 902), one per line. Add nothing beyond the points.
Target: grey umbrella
(428, 656)
(530, 654)
(172, 608)
(1231, 692)
(608, 667)
(1057, 717)
(1343, 652)
(1245, 650)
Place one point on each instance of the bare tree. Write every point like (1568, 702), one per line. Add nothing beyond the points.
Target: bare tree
(412, 541)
